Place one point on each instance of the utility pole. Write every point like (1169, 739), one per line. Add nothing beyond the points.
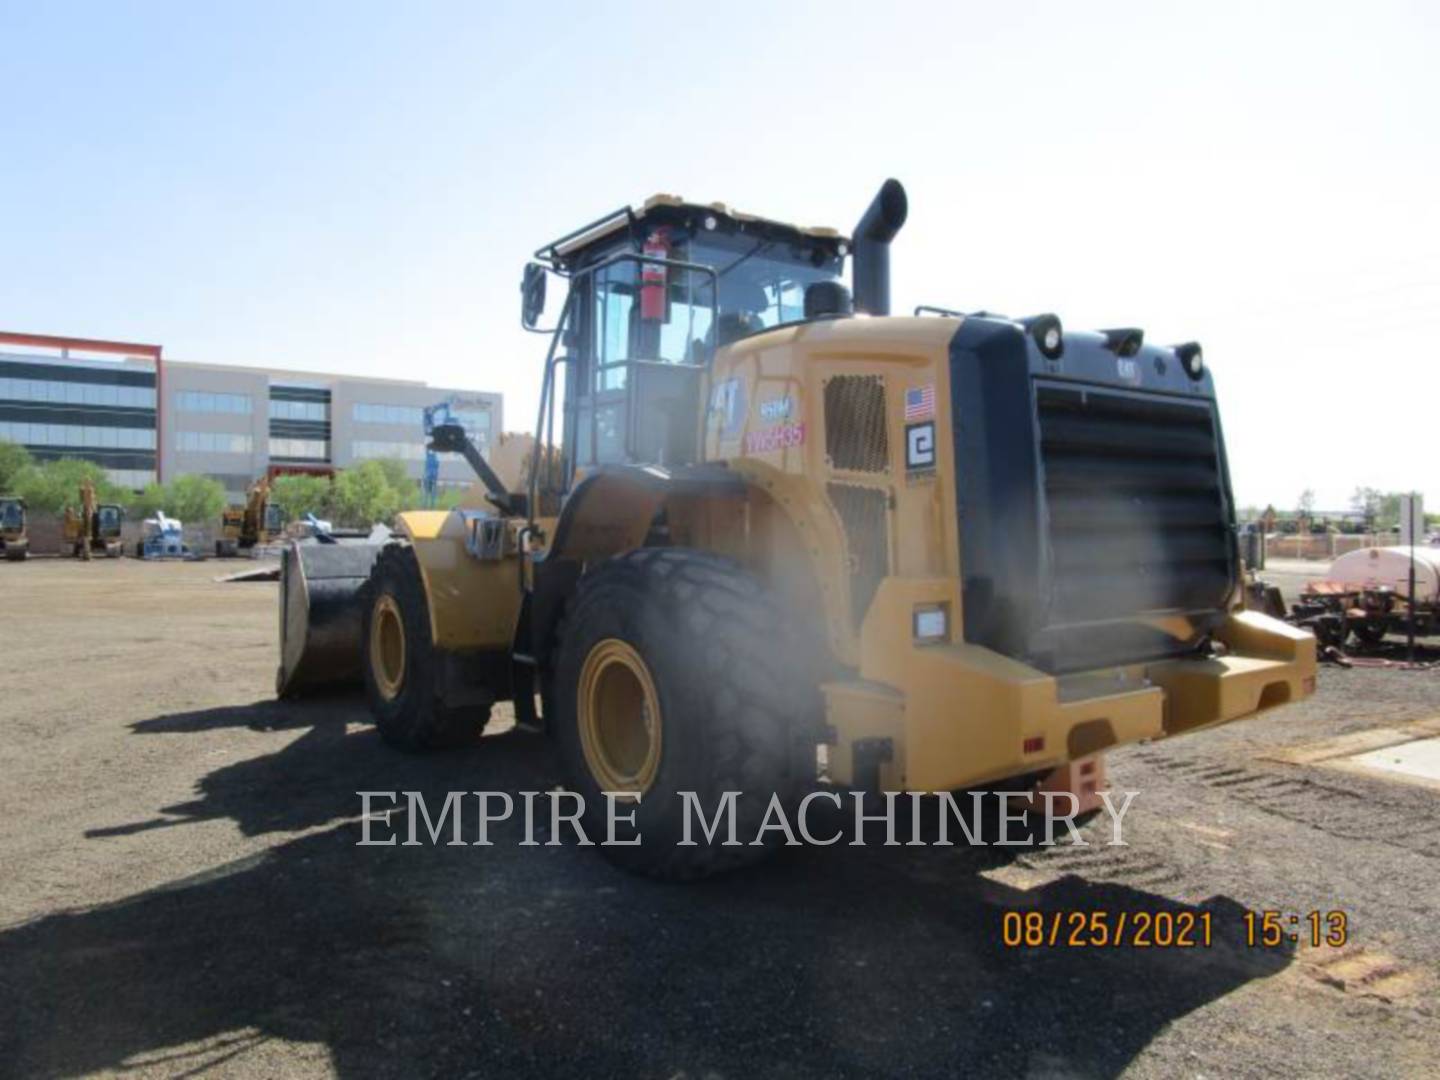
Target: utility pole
(1412, 517)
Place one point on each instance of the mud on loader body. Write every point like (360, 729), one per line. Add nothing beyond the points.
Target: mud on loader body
(950, 549)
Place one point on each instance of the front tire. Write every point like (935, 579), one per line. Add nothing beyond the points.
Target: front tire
(402, 666)
(678, 672)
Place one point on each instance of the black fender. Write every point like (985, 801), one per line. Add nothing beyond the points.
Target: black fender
(612, 510)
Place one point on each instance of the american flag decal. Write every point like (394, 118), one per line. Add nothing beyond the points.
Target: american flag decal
(920, 403)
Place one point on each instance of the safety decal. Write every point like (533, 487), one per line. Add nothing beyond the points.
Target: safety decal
(727, 407)
(919, 447)
(781, 437)
(777, 409)
(920, 402)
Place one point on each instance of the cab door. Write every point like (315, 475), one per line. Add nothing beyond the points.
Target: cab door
(636, 368)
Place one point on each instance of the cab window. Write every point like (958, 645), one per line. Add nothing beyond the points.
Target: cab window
(621, 332)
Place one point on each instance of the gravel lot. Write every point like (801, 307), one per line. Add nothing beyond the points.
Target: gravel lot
(182, 893)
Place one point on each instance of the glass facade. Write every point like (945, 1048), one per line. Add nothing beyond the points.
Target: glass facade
(30, 433)
(70, 392)
(109, 412)
(134, 479)
(305, 449)
(363, 449)
(475, 421)
(100, 411)
(317, 411)
(477, 424)
(399, 415)
(300, 424)
(201, 401)
(213, 442)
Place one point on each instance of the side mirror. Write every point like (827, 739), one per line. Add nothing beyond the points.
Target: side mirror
(532, 295)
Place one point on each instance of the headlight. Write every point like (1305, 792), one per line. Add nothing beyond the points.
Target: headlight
(1191, 358)
(1049, 335)
(932, 623)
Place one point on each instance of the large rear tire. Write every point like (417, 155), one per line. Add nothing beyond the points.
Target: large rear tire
(402, 666)
(679, 672)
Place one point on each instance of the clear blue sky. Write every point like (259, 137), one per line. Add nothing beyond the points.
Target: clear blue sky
(355, 186)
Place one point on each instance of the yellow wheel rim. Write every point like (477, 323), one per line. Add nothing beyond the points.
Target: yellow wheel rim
(619, 717)
(387, 647)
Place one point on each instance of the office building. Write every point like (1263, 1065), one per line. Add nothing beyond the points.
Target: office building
(141, 416)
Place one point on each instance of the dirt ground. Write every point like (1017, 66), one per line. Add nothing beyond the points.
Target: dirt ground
(182, 893)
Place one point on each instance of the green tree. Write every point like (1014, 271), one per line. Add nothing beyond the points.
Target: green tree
(364, 495)
(148, 501)
(13, 458)
(301, 495)
(397, 474)
(448, 498)
(190, 498)
(194, 498)
(53, 485)
(1389, 515)
(406, 487)
(1366, 500)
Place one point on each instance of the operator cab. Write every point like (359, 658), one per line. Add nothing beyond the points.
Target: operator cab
(652, 294)
(12, 515)
(108, 517)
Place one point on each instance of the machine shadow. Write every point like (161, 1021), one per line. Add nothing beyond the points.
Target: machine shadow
(547, 961)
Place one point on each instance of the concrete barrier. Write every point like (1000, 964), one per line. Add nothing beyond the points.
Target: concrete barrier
(1322, 546)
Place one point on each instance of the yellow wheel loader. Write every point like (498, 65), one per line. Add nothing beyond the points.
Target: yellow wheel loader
(243, 528)
(790, 537)
(14, 541)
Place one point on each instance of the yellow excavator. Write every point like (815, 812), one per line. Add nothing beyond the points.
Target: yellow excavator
(14, 541)
(95, 528)
(243, 528)
(793, 538)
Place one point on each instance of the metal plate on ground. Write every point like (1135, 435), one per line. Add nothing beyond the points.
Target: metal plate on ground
(1419, 759)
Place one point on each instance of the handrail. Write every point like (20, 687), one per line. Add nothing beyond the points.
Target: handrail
(551, 251)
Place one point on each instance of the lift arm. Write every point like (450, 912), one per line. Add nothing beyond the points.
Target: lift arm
(451, 439)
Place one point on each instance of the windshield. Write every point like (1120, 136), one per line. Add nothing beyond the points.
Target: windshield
(762, 284)
(11, 516)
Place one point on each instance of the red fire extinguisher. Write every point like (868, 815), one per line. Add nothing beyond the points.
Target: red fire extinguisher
(652, 277)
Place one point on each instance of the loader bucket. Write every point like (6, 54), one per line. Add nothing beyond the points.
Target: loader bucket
(320, 615)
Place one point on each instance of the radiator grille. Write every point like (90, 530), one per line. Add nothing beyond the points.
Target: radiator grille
(855, 431)
(1136, 507)
(862, 512)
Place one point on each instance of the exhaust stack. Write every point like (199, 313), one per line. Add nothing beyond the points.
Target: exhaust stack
(873, 233)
